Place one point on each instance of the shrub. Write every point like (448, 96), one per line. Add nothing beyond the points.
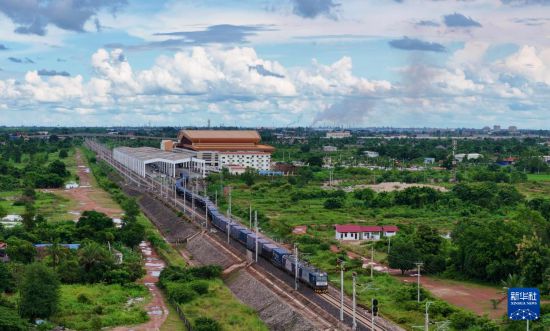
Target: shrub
(83, 298)
(180, 292)
(206, 324)
(199, 286)
(334, 203)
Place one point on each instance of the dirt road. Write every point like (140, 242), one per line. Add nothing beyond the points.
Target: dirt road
(156, 308)
(88, 196)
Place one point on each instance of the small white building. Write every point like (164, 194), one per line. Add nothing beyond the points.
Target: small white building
(429, 160)
(330, 149)
(371, 154)
(470, 156)
(338, 134)
(235, 169)
(364, 232)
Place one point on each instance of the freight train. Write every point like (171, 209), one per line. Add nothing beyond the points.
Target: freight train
(277, 255)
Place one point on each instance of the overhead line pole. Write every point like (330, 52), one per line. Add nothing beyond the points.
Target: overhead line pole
(354, 281)
(418, 265)
(295, 267)
(341, 290)
(256, 224)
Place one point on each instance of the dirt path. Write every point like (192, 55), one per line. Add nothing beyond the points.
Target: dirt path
(476, 298)
(87, 195)
(156, 308)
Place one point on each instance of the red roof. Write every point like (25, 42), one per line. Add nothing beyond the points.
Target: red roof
(348, 228)
(390, 228)
(342, 228)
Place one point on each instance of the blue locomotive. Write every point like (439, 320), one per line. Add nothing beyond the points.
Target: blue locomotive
(278, 256)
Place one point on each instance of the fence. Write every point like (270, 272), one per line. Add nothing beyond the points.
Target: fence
(182, 316)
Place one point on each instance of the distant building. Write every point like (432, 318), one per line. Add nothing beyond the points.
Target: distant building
(235, 169)
(371, 154)
(469, 156)
(507, 161)
(546, 158)
(496, 127)
(330, 148)
(338, 134)
(364, 232)
(167, 145)
(429, 160)
(512, 128)
(219, 148)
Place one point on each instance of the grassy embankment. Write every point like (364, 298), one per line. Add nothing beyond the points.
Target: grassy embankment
(219, 303)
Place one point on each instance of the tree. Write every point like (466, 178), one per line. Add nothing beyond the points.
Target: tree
(95, 261)
(58, 168)
(485, 249)
(131, 233)
(248, 177)
(7, 282)
(305, 148)
(39, 292)
(63, 154)
(403, 255)
(20, 250)
(95, 226)
(333, 203)
(315, 161)
(533, 258)
(29, 216)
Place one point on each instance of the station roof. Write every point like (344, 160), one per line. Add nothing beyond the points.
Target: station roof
(150, 154)
(222, 140)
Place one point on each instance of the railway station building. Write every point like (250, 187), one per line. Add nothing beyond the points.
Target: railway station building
(226, 148)
(148, 161)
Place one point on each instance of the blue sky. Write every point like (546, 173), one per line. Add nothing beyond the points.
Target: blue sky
(422, 63)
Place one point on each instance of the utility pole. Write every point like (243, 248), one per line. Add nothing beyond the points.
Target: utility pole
(372, 261)
(216, 198)
(193, 202)
(227, 233)
(229, 201)
(354, 324)
(389, 244)
(185, 194)
(295, 267)
(342, 291)
(427, 319)
(250, 215)
(418, 265)
(256, 225)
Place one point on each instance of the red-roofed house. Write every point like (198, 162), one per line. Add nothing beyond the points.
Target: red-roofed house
(364, 232)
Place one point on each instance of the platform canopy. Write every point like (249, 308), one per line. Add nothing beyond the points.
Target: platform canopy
(137, 159)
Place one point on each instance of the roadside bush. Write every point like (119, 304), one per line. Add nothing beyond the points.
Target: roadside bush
(199, 286)
(206, 324)
(333, 203)
(180, 292)
(462, 320)
(10, 320)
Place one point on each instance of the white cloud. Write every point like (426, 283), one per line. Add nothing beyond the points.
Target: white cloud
(530, 63)
(337, 78)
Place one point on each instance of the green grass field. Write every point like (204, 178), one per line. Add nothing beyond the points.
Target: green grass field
(539, 177)
(108, 303)
(219, 304)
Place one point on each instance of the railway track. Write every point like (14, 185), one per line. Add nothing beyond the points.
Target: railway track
(312, 304)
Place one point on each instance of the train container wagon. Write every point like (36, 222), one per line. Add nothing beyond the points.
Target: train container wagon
(267, 250)
(243, 234)
(235, 230)
(277, 256)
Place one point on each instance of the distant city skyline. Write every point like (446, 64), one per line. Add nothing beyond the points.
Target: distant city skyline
(358, 63)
